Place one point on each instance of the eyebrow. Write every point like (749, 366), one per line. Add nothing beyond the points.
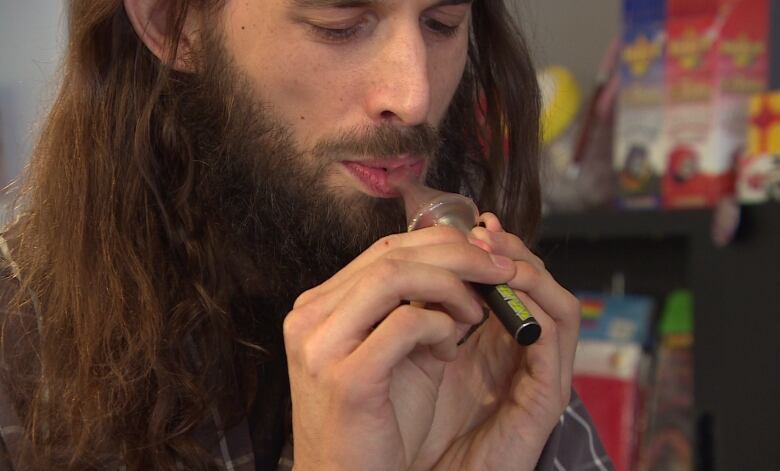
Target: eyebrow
(362, 3)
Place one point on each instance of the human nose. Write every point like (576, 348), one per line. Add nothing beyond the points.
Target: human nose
(400, 88)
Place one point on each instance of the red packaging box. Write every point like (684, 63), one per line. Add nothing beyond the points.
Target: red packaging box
(717, 58)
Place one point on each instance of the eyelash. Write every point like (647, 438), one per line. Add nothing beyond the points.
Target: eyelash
(442, 29)
(339, 35)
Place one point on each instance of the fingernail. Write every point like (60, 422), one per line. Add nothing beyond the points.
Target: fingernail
(501, 261)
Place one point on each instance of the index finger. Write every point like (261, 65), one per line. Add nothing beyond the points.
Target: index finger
(426, 236)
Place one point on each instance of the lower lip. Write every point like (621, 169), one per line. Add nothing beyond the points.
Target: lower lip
(375, 179)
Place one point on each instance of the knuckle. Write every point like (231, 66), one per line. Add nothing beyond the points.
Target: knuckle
(454, 285)
(573, 306)
(450, 283)
(305, 297)
(385, 270)
(540, 262)
(292, 327)
(404, 253)
(297, 324)
(310, 358)
(530, 274)
(527, 252)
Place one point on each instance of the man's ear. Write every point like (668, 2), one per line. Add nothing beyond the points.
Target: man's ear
(151, 21)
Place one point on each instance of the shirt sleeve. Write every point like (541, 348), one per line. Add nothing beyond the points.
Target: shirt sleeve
(574, 444)
(11, 429)
(285, 460)
(5, 459)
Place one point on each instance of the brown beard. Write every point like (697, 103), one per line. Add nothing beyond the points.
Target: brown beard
(281, 222)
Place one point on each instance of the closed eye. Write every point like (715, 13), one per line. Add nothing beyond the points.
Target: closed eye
(440, 28)
(336, 35)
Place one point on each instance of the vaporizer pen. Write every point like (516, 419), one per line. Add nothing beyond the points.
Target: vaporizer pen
(457, 211)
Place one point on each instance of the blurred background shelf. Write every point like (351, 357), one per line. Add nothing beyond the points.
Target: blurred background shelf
(615, 223)
(736, 302)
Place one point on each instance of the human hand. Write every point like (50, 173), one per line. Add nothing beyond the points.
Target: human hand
(498, 402)
(365, 369)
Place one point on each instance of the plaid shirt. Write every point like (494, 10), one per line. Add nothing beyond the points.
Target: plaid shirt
(572, 446)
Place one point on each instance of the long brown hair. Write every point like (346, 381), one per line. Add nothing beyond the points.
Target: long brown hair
(126, 272)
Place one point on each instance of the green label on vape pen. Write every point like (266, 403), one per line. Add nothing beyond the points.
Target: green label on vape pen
(514, 302)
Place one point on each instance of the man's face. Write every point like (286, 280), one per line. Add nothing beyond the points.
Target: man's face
(333, 71)
(299, 110)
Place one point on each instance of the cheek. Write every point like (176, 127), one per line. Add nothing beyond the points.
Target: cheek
(314, 108)
(299, 91)
(307, 94)
(304, 90)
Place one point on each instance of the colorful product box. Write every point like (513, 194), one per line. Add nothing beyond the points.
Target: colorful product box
(610, 366)
(758, 172)
(716, 59)
(639, 156)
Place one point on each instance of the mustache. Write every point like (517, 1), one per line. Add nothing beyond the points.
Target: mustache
(385, 140)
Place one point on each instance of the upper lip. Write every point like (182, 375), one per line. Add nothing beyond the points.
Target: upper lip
(389, 164)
